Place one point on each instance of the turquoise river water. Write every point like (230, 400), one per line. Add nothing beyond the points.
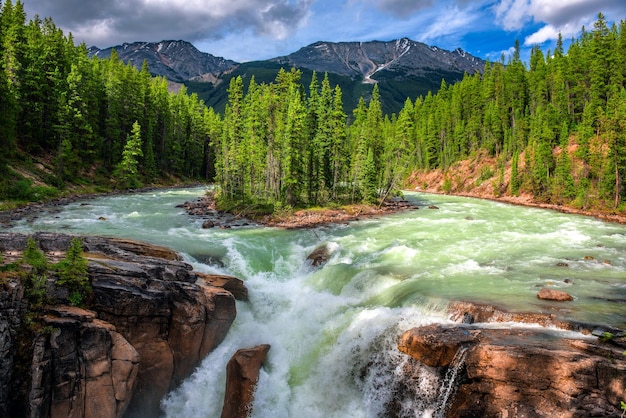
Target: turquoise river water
(333, 330)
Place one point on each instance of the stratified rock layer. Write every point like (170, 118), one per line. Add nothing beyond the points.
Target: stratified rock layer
(523, 372)
(149, 323)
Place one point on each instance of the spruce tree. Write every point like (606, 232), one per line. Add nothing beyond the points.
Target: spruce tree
(126, 170)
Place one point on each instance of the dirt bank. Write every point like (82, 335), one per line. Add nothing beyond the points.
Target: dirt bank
(477, 178)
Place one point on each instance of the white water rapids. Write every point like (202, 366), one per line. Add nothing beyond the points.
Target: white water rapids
(333, 331)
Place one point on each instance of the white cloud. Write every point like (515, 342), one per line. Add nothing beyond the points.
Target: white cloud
(120, 21)
(513, 14)
(564, 16)
(496, 56)
(550, 33)
(450, 22)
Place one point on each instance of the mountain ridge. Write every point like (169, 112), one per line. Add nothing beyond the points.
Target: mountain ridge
(402, 68)
(176, 60)
(367, 58)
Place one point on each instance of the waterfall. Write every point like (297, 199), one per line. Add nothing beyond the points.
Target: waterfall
(334, 329)
(450, 382)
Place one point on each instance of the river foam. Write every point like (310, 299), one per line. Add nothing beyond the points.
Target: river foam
(333, 329)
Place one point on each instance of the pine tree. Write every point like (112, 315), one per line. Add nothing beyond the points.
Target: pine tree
(126, 170)
(514, 183)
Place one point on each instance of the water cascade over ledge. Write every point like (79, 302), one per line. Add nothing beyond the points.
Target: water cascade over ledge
(334, 329)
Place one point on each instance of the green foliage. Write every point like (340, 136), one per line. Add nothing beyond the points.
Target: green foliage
(447, 185)
(607, 336)
(76, 298)
(72, 272)
(56, 101)
(22, 189)
(35, 290)
(126, 170)
(34, 257)
(35, 280)
(514, 184)
(282, 211)
(485, 174)
(276, 142)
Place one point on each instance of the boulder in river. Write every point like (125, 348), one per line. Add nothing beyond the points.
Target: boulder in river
(242, 374)
(555, 295)
(435, 346)
(321, 254)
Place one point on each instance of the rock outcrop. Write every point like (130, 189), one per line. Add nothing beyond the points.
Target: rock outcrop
(230, 283)
(82, 368)
(150, 321)
(436, 346)
(523, 371)
(242, 375)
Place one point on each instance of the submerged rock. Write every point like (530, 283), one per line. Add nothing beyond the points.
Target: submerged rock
(469, 313)
(321, 254)
(242, 374)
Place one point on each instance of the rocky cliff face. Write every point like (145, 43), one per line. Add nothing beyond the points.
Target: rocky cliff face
(175, 60)
(400, 58)
(149, 323)
(519, 371)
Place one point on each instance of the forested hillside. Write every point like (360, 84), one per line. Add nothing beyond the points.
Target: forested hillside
(559, 122)
(557, 125)
(553, 128)
(88, 120)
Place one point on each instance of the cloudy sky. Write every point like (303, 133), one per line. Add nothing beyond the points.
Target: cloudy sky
(246, 30)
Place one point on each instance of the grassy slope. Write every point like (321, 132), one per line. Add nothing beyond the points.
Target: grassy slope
(32, 179)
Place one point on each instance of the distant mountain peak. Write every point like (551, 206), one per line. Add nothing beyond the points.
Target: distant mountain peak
(176, 60)
(402, 67)
(365, 59)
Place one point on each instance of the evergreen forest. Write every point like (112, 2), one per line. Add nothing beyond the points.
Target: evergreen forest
(556, 126)
(90, 120)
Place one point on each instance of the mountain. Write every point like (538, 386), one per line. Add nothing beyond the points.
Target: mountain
(177, 61)
(373, 60)
(402, 68)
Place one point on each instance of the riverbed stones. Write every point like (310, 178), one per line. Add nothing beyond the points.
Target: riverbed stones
(554, 295)
(242, 375)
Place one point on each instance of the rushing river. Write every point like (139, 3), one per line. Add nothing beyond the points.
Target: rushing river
(333, 330)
